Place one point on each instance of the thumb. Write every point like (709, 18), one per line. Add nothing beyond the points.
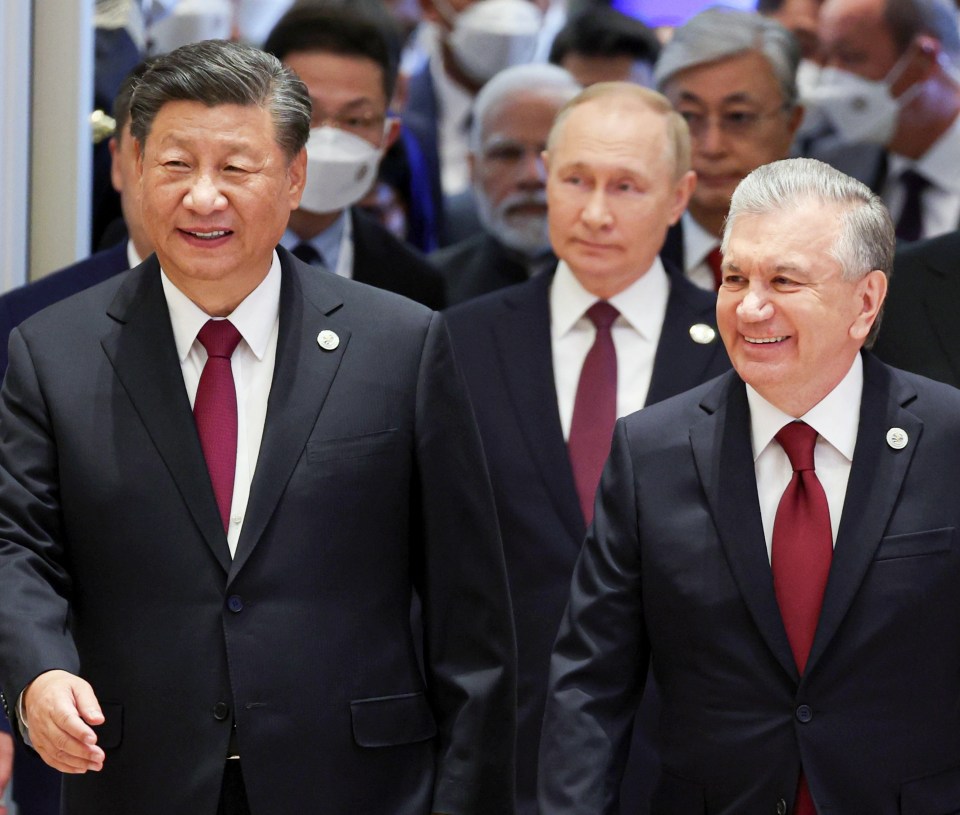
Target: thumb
(87, 705)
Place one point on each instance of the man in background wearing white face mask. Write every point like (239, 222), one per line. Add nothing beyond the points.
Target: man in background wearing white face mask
(512, 117)
(474, 40)
(346, 61)
(891, 90)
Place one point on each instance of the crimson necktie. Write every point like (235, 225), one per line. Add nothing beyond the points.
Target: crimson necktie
(801, 552)
(910, 222)
(215, 411)
(714, 259)
(594, 409)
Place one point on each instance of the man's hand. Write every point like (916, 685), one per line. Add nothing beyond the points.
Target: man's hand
(59, 709)
(6, 765)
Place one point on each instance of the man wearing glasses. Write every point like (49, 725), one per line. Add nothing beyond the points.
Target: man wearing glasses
(345, 59)
(732, 76)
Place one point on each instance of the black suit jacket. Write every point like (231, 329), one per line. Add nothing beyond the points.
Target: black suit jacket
(502, 341)
(675, 570)
(920, 330)
(370, 486)
(672, 253)
(380, 259)
(18, 304)
(476, 266)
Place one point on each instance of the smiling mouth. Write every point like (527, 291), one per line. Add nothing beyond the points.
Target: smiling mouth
(207, 236)
(764, 340)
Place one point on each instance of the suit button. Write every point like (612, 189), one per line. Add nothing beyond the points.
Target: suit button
(235, 604)
(781, 807)
(221, 711)
(804, 714)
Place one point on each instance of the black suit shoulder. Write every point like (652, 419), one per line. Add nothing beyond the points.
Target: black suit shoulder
(476, 266)
(381, 259)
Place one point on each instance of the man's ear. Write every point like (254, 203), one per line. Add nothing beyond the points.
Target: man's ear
(872, 290)
(682, 192)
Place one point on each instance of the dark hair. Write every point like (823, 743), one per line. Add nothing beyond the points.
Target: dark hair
(604, 32)
(340, 29)
(218, 72)
(121, 102)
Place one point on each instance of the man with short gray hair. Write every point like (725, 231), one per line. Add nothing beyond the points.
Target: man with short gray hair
(891, 91)
(732, 76)
(511, 119)
(779, 543)
(224, 477)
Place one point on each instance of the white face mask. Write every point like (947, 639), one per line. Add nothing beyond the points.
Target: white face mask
(491, 35)
(860, 110)
(191, 21)
(341, 168)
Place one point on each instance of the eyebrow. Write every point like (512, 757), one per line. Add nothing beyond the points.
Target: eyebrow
(733, 98)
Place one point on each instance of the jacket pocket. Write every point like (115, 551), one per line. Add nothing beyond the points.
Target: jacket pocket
(369, 444)
(110, 733)
(386, 721)
(675, 795)
(933, 795)
(916, 544)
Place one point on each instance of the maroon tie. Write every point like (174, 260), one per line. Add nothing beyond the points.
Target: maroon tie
(714, 261)
(594, 409)
(215, 411)
(801, 553)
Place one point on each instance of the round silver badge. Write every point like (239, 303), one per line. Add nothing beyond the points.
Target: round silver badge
(328, 340)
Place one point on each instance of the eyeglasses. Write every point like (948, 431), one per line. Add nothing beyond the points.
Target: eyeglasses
(730, 122)
(360, 124)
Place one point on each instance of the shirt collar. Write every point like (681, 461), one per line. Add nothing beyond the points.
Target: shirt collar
(327, 243)
(254, 318)
(836, 417)
(939, 164)
(697, 242)
(641, 304)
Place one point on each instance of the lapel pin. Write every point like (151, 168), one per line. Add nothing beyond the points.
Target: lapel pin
(702, 333)
(897, 438)
(328, 340)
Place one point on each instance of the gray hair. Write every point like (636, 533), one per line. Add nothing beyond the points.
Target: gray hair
(866, 240)
(718, 33)
(218, 72)
(936, 18)
(541, 80)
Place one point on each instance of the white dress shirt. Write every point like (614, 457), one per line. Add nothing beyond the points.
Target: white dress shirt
(257, 319)
(132, 257)
(940, 165)
(836, 418)
(635, 333)
(454, 103)
(697, 244)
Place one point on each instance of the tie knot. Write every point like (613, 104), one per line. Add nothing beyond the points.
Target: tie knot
(602, 314)
(306, 252)
(913, 182)
(798, 440)
(219, 337)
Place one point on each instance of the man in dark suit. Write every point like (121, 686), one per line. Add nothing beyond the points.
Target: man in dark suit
(920, 330)
(732, 76)
(344, 58)
(224, 598)
(781, 544)
(20, 303)
(512, 117)
(524, 352)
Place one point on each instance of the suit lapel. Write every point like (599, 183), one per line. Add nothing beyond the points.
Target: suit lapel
(302, 377)
(522, 339)
(876, 478)
(143, 353)
(680, 362)
(723, 454)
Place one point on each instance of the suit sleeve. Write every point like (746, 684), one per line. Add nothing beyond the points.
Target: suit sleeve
(600, 658)
(469, 645)
(34, 582)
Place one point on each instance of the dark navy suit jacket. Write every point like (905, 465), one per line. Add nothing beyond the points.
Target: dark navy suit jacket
(502, 341)
(18, 304)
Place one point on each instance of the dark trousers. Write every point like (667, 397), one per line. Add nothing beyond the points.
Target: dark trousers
(233, 795)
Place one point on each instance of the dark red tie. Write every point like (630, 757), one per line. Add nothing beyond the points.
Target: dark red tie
(801, 552)
(215, 411)
(714, 260)
(594, 409)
